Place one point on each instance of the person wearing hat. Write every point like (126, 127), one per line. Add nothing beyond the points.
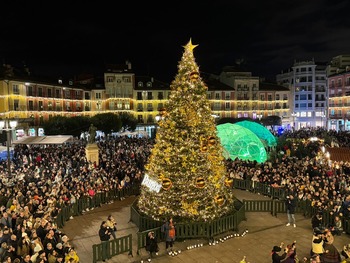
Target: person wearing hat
(277, 258)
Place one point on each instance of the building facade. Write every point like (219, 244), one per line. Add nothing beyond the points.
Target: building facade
(339, 101)
(308, 85)
(232, 94)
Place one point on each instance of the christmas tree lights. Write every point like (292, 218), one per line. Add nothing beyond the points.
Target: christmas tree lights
(186, 173)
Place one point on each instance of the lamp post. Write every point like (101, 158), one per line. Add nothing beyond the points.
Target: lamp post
(8, 126)
(324, 124)
(294, 114)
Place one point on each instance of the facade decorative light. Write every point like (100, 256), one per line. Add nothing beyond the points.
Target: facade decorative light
(9, 126)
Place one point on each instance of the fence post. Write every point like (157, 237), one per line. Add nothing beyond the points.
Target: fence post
(274, 209)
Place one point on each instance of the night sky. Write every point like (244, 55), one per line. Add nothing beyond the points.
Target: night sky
(64, 39)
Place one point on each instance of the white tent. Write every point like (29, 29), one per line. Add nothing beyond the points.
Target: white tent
(54, 139)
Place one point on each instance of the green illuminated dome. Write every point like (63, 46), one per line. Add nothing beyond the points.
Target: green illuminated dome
(241, 143)
(260, 131)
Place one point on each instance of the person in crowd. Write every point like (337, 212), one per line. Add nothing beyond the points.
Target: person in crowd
(151, 244)
(345, 252)
(168, 229)
(72, 254)
(276, 257)
(59, 249)
(332, 254)
(291, 206)
(112, 224)
(337, 226)
(315, 258)
(26, 259)
(48, 249)
(317, 246)
(42, 257)
(104, 234)
(345, 212)
(23, 247)
(6, 220)
(291, 256)
(317, 220)
(9, 252)
(52, 256)
(59, 258)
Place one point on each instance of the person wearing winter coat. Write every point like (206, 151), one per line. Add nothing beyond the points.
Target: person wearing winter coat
(291, 205)
(168, 229)
(276, 257)
(152, 244)
(104, 234)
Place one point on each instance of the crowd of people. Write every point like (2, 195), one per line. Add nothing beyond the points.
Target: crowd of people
(46, 177)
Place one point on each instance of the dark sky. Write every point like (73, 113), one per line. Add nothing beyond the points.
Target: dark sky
(57, 38)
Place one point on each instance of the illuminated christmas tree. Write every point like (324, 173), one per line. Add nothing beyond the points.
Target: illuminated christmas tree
(186, 176)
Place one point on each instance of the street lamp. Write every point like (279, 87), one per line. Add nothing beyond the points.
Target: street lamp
(323, 116)
(8, 126)
(294, 114)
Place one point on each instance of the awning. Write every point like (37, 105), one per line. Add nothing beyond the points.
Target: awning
(54, 139)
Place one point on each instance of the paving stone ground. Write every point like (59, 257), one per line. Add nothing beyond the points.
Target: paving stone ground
(264, 231)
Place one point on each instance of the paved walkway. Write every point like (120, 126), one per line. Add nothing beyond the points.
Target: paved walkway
(264, 231)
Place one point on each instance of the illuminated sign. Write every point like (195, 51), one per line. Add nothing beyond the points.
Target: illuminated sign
(152, 184)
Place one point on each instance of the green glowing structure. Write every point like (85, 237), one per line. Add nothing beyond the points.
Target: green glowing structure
(259, 130)
(241, 143)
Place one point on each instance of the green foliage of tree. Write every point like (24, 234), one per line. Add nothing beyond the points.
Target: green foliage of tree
(129, 122)
(272, 121)
(77, 124)
(55, 125)
(107, 122)
(66, 125)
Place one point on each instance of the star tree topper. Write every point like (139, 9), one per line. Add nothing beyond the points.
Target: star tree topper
(189, 46)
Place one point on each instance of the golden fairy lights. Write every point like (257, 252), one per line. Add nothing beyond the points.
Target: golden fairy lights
(187, 159)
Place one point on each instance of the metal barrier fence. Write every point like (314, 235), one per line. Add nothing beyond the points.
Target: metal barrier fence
(195, 229)
(97, 200)
(112, 248)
